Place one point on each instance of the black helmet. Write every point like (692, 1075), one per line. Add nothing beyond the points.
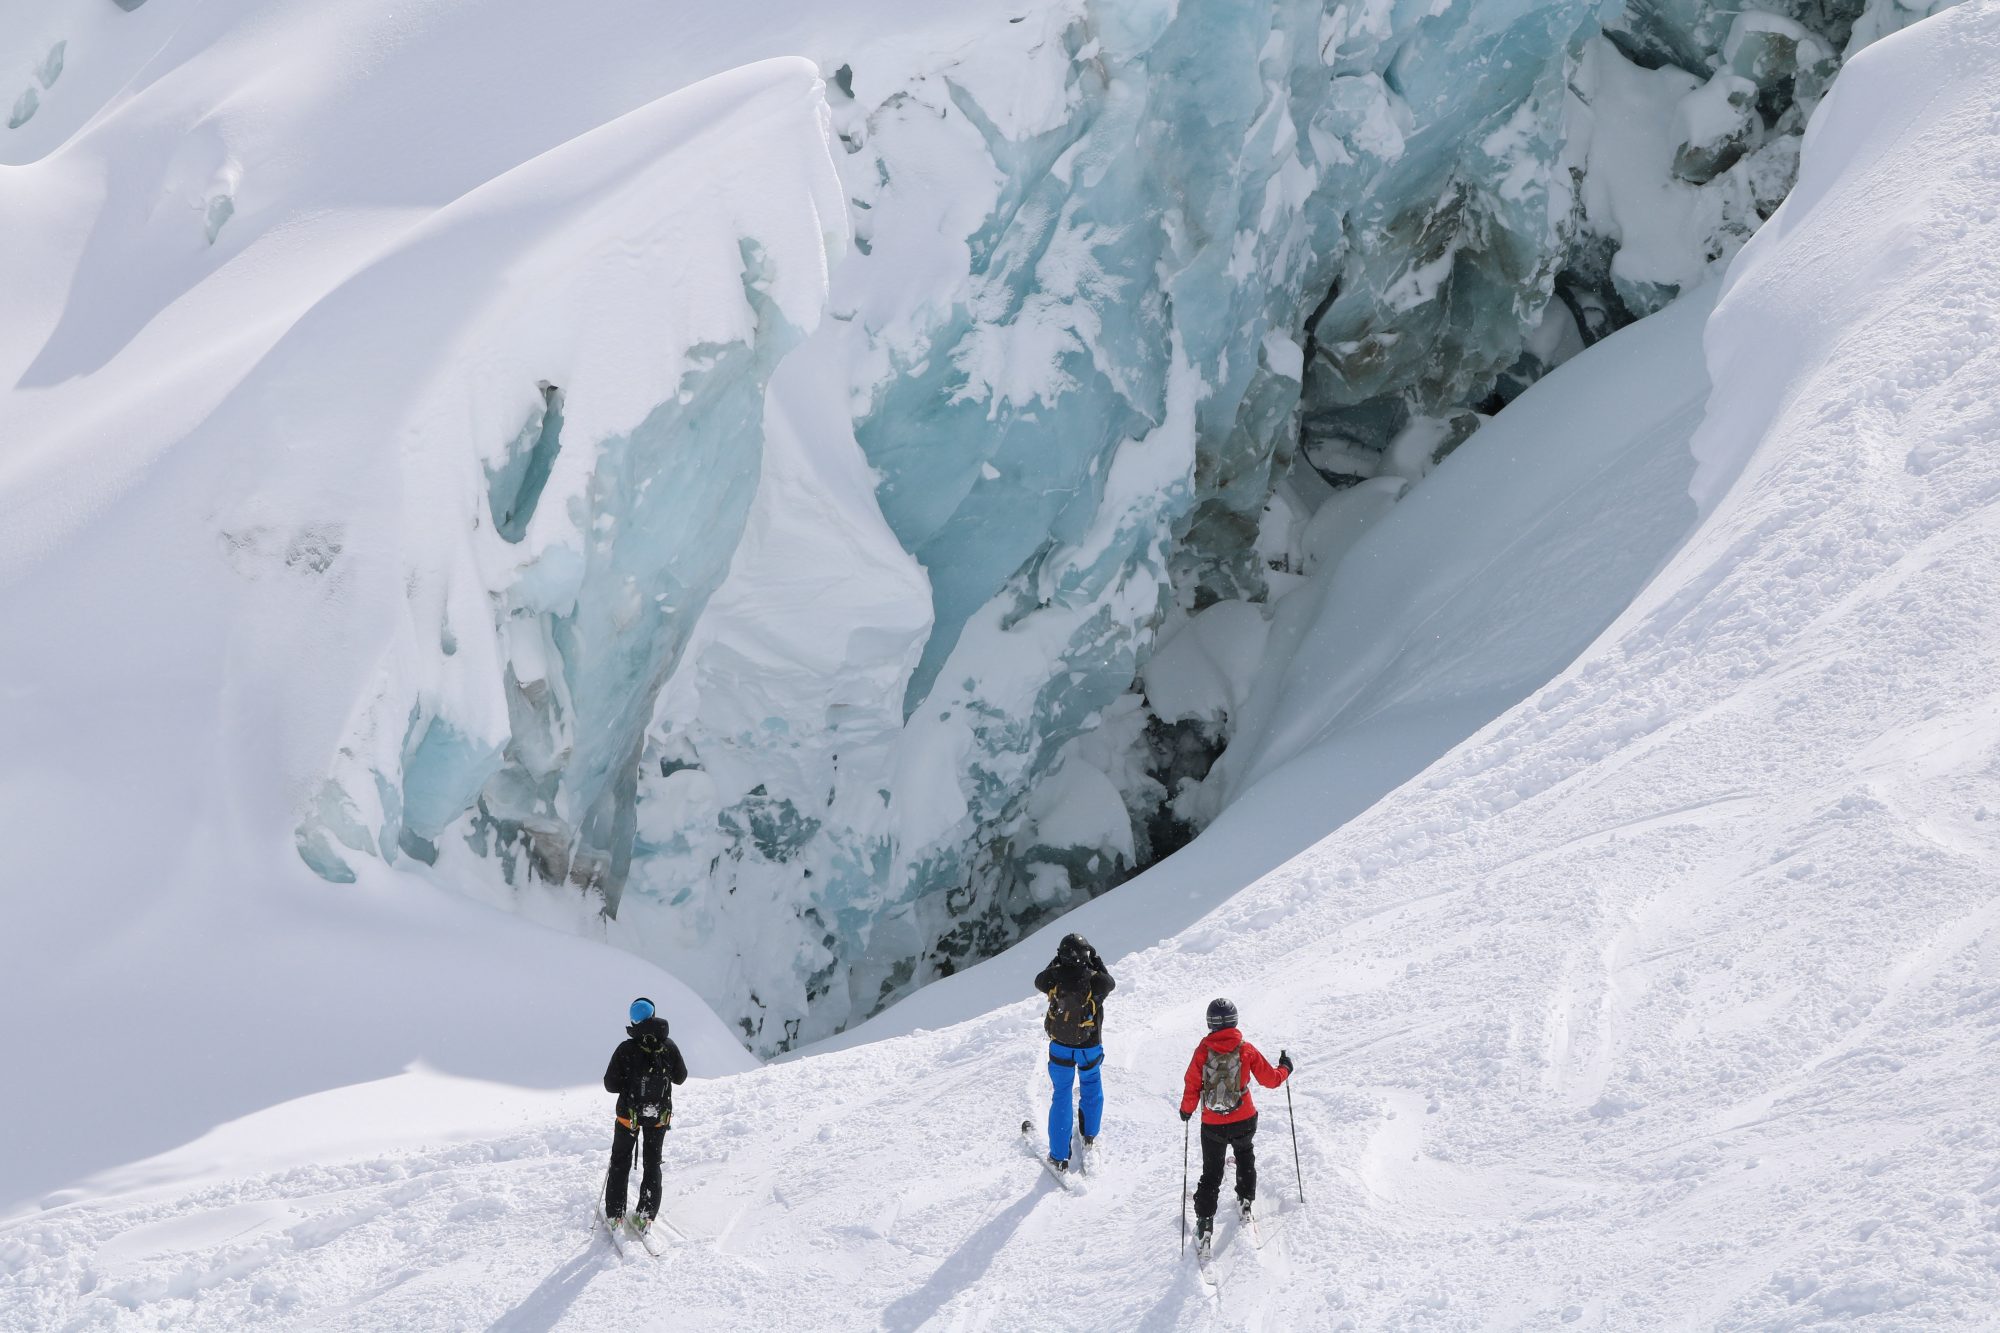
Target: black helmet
(1073, 946)
(1221, 1014)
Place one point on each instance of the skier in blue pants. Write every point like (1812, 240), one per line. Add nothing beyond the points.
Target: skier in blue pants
(1076, 983)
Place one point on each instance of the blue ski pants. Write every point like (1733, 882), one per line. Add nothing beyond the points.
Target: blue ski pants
(1067, 1065)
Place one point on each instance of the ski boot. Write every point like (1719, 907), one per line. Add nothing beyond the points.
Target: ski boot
(1243, 1210)
(1059, 1165)
(1204, 1237)
(648, 1234)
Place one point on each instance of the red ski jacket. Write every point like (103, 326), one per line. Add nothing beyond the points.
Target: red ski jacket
(1223, 1042)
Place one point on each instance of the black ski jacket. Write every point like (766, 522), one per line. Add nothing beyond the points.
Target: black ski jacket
(643, 1077)
(1068, 978)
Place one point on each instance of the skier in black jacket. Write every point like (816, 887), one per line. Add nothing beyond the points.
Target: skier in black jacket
(642, 1072)
(1076, 983)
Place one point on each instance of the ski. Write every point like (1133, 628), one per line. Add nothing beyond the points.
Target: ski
(1204, 1263)
(679, 1232)
(1028, 1142)
(1246, 1225)
(1085, 1156)
(611, 1230)
(1206, 1257)
(649, 1236)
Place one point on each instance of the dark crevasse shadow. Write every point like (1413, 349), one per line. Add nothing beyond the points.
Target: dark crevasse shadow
(963, 1267)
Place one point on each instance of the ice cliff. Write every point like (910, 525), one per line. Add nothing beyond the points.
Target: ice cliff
(814, 522)
(1110, 273)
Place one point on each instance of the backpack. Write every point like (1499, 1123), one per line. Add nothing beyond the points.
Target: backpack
(652, 1090)
(1072, 1017)
(1222, 1081)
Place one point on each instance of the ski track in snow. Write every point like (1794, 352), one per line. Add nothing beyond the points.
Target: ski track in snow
(1671, 999)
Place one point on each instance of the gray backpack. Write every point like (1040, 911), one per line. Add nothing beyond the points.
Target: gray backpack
(1222, 1081)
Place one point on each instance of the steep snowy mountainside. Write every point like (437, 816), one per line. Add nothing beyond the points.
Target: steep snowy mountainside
(764, 583)
(181, 665)
(1668, 1000)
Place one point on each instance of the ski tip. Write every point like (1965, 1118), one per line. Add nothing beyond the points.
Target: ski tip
(1027, 1126)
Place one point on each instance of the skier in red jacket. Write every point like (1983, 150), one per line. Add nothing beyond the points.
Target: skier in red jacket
(1218, 1080)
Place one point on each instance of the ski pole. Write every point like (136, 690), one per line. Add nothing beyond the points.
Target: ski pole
(1296, 1169)
(1184, 1169)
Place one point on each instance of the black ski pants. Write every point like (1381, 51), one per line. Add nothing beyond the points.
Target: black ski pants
(622, 1140)
(1215, 1141)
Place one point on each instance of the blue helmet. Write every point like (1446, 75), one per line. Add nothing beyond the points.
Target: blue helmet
(642, 1009)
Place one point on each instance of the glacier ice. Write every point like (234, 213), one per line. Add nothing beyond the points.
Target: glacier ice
(786, 576)
(514, 487)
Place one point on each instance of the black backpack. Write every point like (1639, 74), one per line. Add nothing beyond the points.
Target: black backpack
(652, 1091)
(1072, 1016)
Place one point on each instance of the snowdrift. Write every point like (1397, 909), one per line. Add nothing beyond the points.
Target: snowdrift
(1669, 999)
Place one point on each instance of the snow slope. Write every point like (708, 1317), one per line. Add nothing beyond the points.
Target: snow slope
(174, 675)
(1669, 999)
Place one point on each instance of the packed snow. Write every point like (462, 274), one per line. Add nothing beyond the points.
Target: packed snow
(1670, 998)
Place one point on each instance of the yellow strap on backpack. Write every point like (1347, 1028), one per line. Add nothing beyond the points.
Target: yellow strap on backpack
(1089, 998)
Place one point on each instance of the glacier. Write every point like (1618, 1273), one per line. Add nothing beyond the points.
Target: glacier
(764, 542)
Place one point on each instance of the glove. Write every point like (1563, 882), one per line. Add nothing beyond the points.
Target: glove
(1186, 1116)
(1284, 1062)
